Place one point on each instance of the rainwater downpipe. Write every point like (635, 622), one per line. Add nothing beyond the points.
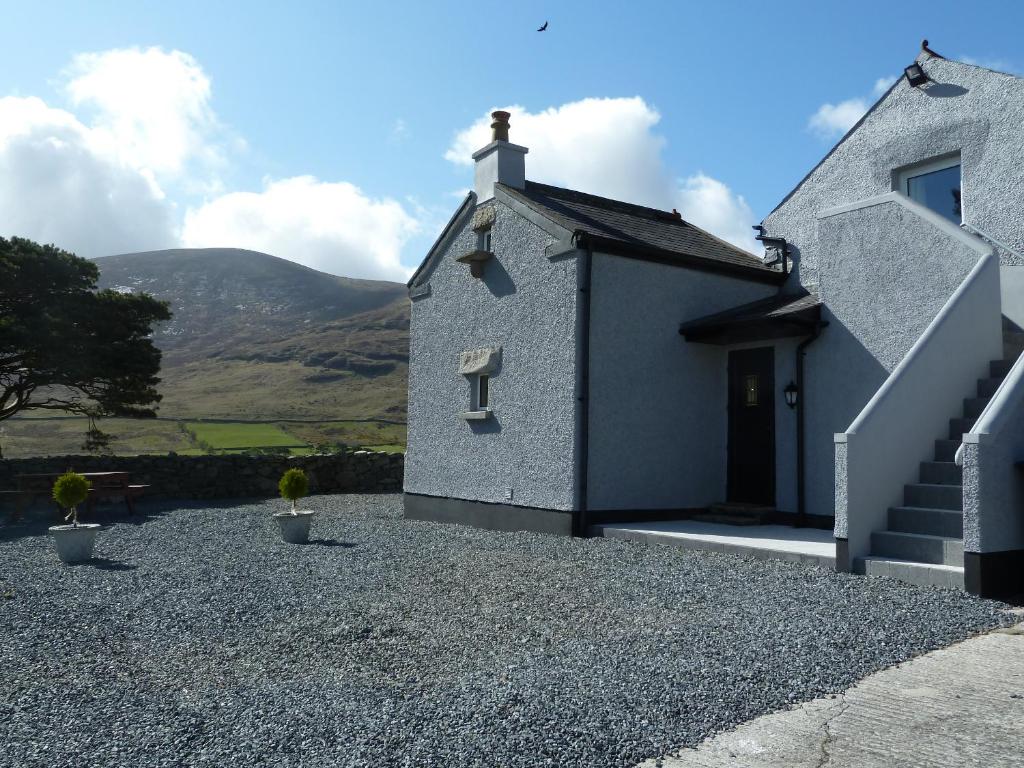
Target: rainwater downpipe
(582, 517)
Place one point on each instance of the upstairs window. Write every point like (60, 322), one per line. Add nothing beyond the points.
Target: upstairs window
(935, 185)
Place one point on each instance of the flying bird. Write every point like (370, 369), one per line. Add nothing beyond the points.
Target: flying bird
(543, 27)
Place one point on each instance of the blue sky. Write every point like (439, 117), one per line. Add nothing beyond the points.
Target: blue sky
(330, 133)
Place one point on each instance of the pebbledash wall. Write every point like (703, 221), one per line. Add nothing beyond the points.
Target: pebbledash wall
(522, 457)
(966, 110)
(882, 287)
(232, 476)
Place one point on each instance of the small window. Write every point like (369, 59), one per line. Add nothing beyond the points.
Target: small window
(483, 240)
(482, 393)
(935, 185)
(750, 390)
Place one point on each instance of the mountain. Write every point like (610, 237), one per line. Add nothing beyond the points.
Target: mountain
(258, 337)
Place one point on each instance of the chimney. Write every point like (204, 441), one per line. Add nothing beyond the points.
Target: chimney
(499, 161)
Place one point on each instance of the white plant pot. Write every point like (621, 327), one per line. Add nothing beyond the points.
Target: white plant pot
(74, 543)
(294, 528)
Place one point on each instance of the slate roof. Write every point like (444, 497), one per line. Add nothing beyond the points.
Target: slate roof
(632, 227)
(781, 308)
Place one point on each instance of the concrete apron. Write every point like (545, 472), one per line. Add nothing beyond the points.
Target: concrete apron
(779, 542)
(962, 705)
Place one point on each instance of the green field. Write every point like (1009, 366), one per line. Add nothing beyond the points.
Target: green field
(239, 436)
(56, 436)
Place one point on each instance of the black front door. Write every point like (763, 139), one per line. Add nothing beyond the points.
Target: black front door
(751, 475)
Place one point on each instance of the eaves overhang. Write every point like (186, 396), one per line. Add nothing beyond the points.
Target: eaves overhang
(467, 204)
(628, 250)
(779, 317)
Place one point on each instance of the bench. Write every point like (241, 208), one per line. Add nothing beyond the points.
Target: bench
(105, 485)
(128, 492)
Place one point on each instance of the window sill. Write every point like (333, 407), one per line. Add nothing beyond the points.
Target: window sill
(476, 415)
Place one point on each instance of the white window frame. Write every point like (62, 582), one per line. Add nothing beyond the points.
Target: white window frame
(482, 403)
(941, 163)
(483, 240)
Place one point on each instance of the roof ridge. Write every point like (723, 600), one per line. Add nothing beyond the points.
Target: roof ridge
(984, 68)
(666, 217)
(662, 215)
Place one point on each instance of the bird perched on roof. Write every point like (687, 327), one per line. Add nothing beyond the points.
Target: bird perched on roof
(543, 27)
(929, 51)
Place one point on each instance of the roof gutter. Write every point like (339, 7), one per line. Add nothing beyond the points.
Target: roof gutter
(674, 258)
(774, 242)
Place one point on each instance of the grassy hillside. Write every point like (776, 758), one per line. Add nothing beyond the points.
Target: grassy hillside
(255, 337)
(50, 436)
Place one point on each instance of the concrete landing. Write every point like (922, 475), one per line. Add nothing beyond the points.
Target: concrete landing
(780, 542)
(959, 706)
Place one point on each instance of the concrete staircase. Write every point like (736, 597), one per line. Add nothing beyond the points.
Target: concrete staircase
(923, 543)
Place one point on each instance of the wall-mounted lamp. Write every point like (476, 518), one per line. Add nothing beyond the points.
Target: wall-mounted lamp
(792, 393)
(915, 75)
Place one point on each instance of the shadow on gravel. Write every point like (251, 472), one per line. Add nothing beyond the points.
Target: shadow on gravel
(105, 564)
(10, 531)
(331, 543)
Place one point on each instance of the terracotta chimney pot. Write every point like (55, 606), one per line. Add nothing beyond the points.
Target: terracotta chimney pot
(499, 127)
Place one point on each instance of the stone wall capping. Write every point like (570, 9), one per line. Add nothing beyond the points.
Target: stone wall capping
(172, 476)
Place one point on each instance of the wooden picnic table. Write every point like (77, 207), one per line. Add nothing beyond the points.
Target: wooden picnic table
(105, 485)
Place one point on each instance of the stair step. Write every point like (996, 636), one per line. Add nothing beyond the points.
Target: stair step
(724, 519)
(933, 522)
(973, 406)
(945, 450)
(957, 428)
(941, 473)
(918, 547)
(1013, 344)
(999, 368)
(920, 574)
(988, 387)
(933, 496)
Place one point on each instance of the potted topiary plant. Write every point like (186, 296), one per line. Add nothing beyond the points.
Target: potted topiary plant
(74, 542)
(294, 524)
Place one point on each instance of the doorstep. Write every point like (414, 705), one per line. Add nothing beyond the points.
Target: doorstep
(777, 542)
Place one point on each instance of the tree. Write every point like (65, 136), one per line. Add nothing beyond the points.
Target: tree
(67, 346)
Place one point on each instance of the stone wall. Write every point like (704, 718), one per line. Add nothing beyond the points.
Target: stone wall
(227, 476)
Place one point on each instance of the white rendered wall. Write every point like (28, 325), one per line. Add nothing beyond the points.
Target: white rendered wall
(993, 484)
(526, 304)
(657, 426)
(882, 449)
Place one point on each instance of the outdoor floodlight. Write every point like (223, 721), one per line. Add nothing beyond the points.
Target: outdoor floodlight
(915, 75)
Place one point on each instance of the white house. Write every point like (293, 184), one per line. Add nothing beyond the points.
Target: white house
(577, 360)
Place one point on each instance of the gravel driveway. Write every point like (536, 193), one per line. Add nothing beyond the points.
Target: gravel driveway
(202, 640)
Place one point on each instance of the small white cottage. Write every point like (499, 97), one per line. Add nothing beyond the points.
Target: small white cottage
(577, 360)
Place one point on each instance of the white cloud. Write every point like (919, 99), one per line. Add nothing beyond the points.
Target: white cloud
(711, 205)
(330, 226)
(57, 187)
(94, 181)
(608, 147)
(152, 107)
(882, 85)
(96, 185)
(603, 146)
(834, 120)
